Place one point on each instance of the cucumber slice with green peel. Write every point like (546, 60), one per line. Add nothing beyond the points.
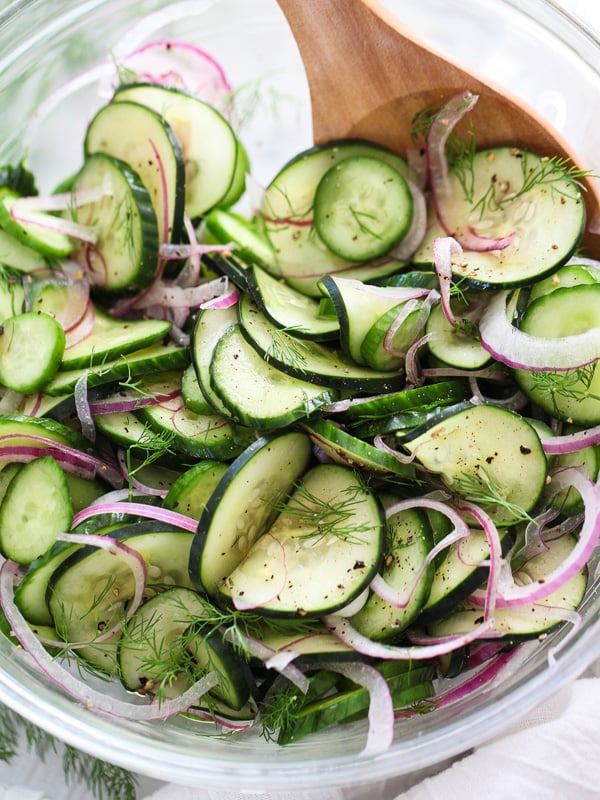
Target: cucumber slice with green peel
(238, 182)
(386, 350)
(21, 430)
(289, 309)
(207, 141)
(344, 448)
(7, 473)
(306, 359)
(211, 325)
(35, 509)
(534, 619)
(422, 398)
(257, 394)
(194, 435)
(34, 230)
(192, 490)
(155, 358)
(251, 245)
(124, 256)
(113, 338)
(319, 554)
(459, 572)
(89, 591)
(19, 256)
(192, 394)
(333, 700)
(312, 647)
(302, 257)
(487, 454)
(408, 541)
(456, 346)
(571, 395)
(363, 207)
(244, 505)
(32, 347)
(359, 307)
(571, 274)
(144, 140)
(513, 191)
(171, 622)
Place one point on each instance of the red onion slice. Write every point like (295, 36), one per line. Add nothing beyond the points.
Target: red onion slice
(381, 706)
(520, 350)
(138, 510)
(442, 194)
(509, 594)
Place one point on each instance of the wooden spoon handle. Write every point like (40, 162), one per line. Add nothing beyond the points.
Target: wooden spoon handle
(369, 75)
(359, 59)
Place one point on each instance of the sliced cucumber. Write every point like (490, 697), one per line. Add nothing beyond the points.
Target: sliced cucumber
(408, 540)
(303, 258)
(362, 208)
(459, 572)
(144, 140)
(308, 360)
(125, 254)
(32, 346)
(358, 307)
(513, 191)
(191, 491)
(35, 509)
(319, 554)
(155, 358)
(485, 453)
(457, 346)
(89, 590)
(255, 393)
(244, 505)
(344, 448)
(422, 398)
(290, 309)
(172, 622)
(381, 349)
(211, 325)
(251, 245)
(113, 338)
(192, 394)
(206, 139)
(35, 231)
(16, 255)
(194, 435)
(572, 395)
(571, 274)
(531, 620)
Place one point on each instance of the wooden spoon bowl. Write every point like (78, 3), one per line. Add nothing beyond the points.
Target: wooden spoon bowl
(369, 75)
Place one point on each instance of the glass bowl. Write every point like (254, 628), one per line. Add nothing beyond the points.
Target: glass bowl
(50, 83)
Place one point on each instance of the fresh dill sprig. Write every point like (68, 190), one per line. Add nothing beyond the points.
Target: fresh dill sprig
(154, 445)
(572, 384)
(320, 518)
(479, 487)
(286, 349)
(105, 781)
(558, 174)
(280, 711)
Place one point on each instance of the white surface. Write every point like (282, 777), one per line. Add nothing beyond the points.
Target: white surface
(553, 755)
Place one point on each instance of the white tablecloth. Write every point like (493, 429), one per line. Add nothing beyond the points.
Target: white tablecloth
(553, 754)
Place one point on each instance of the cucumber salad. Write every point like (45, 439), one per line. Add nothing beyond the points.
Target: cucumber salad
(307, 454)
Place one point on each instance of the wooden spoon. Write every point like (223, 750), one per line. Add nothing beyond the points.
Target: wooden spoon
(369, 75)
